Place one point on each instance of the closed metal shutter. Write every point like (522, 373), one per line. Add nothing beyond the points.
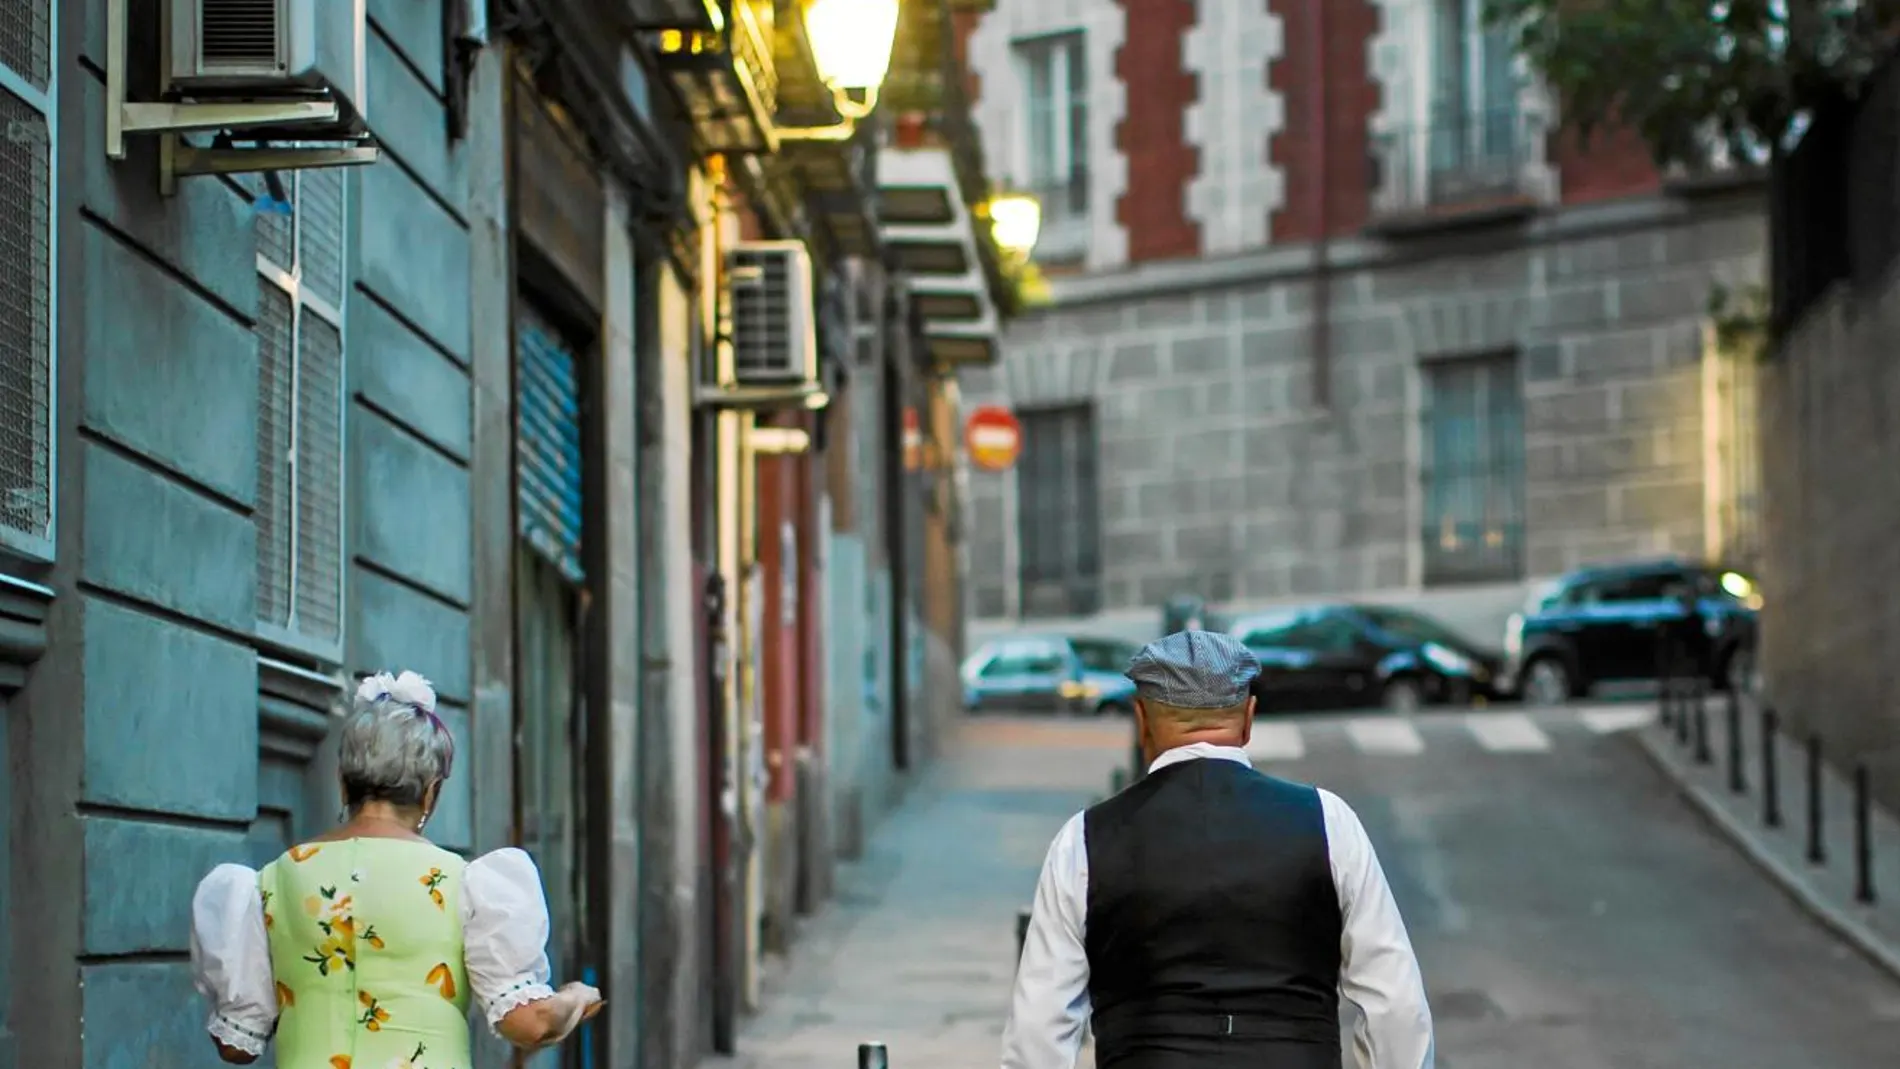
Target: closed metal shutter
(548, 443)
(26, 275)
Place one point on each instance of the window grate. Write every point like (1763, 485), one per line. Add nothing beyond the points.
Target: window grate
(25, 322)
(1474, 471)
(238, 33)
(320, 233)
(276, 399)
(26, 39)
(1059, 512)
(548, 443)
(319, 594)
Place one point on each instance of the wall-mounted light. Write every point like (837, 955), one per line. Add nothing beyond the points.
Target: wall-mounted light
(1016, 220)
(851, 43)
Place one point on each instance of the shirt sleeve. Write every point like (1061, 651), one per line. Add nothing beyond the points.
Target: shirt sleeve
(505, 931)
(230, 959)
(1050, 1010)
(1379, 973)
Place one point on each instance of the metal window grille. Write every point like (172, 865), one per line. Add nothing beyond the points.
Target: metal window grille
(1474, 470)
(548, 443)
(28, 131)
(1059, 512)
(300, 472)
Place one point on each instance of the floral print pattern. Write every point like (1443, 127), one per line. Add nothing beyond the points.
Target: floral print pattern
(442, 980)
(433, 882)
(374, 1016)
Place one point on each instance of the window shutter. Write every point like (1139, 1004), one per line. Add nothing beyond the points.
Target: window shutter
(276, 397)
(319, 590)
(548, 444)
(26, 275)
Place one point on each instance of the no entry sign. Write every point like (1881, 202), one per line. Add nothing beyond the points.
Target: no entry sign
(993, 437)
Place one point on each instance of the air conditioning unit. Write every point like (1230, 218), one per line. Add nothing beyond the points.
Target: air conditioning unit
(774, 337)
(251, 49)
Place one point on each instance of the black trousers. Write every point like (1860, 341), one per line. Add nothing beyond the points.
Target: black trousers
(1216, 1042)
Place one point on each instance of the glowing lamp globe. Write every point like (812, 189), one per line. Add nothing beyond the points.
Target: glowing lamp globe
(1016, 220)
(851, 41)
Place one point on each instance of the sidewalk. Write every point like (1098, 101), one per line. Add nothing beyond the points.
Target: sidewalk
(918, 947)
(1826, 890)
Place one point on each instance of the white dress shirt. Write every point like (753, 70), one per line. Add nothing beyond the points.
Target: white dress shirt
(1378, 972)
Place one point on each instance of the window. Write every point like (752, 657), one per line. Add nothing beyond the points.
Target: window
(1474, 471)
(1413, 627)
(1321, 633)
(1473, 123)
(27, 130)
(1058, 512)
(1269, 632)
(1650, 586)
(1103, 656)
(300, 473)
(1024, 659)
(1056, 106)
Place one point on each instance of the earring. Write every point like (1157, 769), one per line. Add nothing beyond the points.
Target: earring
(423, 823)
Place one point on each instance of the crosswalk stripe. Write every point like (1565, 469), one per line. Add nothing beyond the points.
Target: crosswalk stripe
(1385, 736)
(1507, 733)
(1611, 721)
(1276, 742)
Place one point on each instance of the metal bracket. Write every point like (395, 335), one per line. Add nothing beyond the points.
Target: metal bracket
(168, 119)
(806, 395)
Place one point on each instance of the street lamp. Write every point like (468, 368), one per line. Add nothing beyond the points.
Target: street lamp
(1016, 220)
(851, 43)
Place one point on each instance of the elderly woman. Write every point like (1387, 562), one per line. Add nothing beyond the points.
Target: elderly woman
(362, 948)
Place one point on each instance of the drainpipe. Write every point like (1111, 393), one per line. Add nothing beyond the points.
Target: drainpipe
(1322, 269)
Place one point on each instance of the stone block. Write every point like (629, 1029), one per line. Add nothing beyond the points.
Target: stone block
(1201, 357)
(1570, 509)
(1719, 238)
(1170, 406)
(1275, 346)
(151, 538)
(208, 369)
(1174, 497)
(1137, 548)
(409, 245)
(1623, 354)
(1674, 400)
(400, 628)
(1204, 543)
(408, 118)
(414, 28)
(1542, 362)
(139, 881)
(405, 481)
(1364, 336)
(1568, 411)
(206, 232)
(399, 372)
(1134, 363)
(1567, 308)
(1605, 257)
(1172, 312)
(1602, 456)
(1221, 401)
(452, 825)
(1205, 453)
(1651, 298)
(1125, 456)
(140, 1015)
(170, 716)
(1659, 504)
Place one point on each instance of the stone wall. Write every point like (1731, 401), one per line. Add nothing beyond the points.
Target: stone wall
(1221, 474)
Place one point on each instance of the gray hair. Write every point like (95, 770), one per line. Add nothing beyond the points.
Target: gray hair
(394, 747)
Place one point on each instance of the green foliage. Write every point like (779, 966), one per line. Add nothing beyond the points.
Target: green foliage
(1690, 74)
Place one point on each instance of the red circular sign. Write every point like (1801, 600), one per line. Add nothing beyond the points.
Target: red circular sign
(993, 437)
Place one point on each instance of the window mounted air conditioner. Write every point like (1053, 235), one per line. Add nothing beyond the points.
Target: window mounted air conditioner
(250, 49)
(774, 336)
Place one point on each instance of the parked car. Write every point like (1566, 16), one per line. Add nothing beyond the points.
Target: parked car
(1607, 624)
(1358, 656)
(1050, 673)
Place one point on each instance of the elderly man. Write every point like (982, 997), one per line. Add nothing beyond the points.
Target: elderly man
(1211, 916)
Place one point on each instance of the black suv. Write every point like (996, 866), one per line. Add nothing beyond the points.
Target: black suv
(1609, 624)
(1344, 656)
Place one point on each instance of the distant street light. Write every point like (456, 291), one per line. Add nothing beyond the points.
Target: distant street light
(1016, 220)
(851, 43)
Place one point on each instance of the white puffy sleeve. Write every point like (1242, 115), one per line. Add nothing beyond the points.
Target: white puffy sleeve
(230, 958)
(505, 932)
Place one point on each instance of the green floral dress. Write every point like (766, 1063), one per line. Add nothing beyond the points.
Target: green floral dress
(366, 953)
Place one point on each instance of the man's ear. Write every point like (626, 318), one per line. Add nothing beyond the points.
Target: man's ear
(1246, 721)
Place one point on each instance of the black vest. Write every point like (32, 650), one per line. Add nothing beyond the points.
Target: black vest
(1213, 925)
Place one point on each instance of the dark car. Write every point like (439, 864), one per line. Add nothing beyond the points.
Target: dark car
(1344, 656)
(1615, 623)
(1050, 673)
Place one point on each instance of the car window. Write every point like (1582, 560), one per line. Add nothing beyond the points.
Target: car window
(1648, 586)
(1268, 631)
(1025, 658)
(1323, 633)
(1101, 656)
(1413, 627)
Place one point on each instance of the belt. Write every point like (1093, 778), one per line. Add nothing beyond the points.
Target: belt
(1238, 1025)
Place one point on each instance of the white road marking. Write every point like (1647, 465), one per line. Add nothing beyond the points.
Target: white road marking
(1384, 735)
(1611, 721)
(1276, 742)
(1507, 733)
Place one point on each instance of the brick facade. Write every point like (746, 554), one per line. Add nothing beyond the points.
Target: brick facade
(1326, 176)
(1151, 135)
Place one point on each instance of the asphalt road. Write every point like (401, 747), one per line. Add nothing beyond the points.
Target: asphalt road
(1569, 911)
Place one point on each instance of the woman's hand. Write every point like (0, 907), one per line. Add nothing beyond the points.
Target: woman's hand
(551, 1020)
(232, 1054)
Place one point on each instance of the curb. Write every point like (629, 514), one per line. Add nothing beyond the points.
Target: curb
(1835, 918)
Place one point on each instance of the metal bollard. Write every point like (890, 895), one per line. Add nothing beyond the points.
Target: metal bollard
(1701, 710)
(1022, 932)
(1817, 850)
(1737, 777)
(873, 1056)
(1770, 787)
(1863, 839)
(1665, 697)
(1679, 684)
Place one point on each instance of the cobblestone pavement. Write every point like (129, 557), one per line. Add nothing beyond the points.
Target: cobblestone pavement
(1570, 910)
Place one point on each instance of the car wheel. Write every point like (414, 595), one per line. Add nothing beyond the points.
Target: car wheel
(1402, 695)
(1547, 682)
(1114, 709)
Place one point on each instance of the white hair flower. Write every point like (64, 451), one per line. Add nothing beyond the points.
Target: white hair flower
(407, 689)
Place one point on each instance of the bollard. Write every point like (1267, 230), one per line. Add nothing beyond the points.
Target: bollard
(1679, 685)
(1664, 697)
(1817, 850)
(1737, 778)
(1022, 932)
(1701, 710)
(1863, 839)
(1770, 788)
(873, 1056)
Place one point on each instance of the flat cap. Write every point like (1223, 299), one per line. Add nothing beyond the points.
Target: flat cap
(1194, 670)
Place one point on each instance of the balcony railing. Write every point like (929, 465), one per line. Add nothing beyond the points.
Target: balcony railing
(1463, 161)
(725, 78)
